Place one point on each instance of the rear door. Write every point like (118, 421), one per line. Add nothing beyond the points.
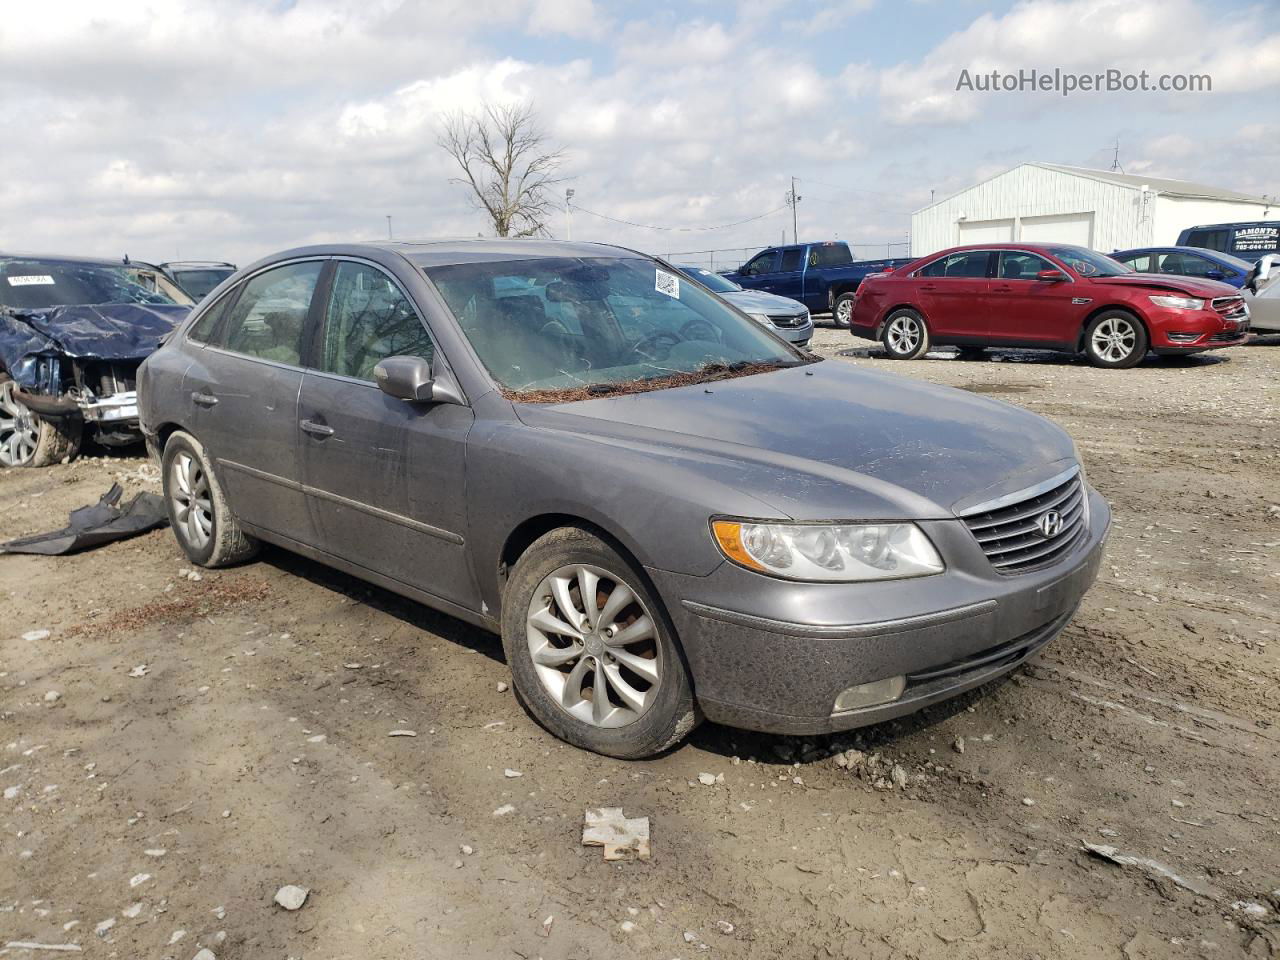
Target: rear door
(1024, 310)
(384, 477)
(243, 386)
(789, 280)
(952, 294)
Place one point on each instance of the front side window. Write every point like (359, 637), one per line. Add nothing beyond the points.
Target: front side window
(969, 263)
(368, 320)
(34, 284)
(270, 318)
(761, 264)
(600, 325)
(1188, 265)
(1021, 265)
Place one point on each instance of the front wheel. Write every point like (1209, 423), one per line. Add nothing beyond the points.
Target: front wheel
(905, 336)
(202, 521)
(30, 440)
(591, 650)
(842, 310)
(1116, 340)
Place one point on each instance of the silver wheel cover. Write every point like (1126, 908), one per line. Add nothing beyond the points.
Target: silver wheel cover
(192, 500)
(19, 429)
(594, 645)
(904, 334)
(844, 312)
(1114, 339)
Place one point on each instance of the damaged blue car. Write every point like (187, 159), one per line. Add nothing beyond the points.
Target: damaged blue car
(73, 332)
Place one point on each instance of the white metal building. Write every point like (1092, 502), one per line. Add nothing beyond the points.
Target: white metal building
(1048, 202)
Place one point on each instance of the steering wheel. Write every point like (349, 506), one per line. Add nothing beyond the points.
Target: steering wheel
(700, 322)
(644, 344)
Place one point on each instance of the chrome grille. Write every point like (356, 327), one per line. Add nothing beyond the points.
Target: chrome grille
(1010, 536)
(1232, 308)
(788, 321)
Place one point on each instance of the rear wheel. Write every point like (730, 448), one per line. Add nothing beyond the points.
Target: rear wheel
(591, 650)
(30, 440)
(1115, 339)
(202, 521)
(842, 311)
(905, 336)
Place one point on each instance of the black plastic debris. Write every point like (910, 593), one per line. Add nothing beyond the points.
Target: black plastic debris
(95, 525)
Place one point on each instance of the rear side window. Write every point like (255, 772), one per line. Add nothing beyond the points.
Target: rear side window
(761, 264)
(368, 320)
(203, 329)
(791, 260)
(829, 255)
(270, 318)
(970, 263)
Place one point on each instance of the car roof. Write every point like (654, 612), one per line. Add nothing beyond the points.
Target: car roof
(448, 252)
(1218, 255)
(67, 258)
(197, 264)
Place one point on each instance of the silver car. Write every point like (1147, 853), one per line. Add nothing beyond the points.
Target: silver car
(666, 511)
(788, 318)
(1262, 295)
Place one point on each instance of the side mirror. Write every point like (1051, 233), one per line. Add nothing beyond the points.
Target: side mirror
(405, 378)
(1216, 275)
(1051, 276)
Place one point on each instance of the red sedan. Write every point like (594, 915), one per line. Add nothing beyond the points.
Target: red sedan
(1050, 296)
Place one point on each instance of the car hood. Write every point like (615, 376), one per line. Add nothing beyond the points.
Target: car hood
(831, 440)
(107, 331)
(1206, 289)
(757, 301)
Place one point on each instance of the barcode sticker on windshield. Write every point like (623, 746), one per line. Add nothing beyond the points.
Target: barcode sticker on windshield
(667, 283)
(31, 281)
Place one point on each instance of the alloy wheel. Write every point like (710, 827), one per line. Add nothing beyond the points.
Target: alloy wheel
(19, 429)
(904, 334)
(192, 501)
(1114, 339)
(844, 312)
(594, 645)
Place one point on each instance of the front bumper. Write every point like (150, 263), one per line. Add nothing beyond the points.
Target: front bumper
(772, 655)
(1194, 331)
(799, 336)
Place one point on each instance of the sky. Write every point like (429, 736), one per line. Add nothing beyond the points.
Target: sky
(230, 129)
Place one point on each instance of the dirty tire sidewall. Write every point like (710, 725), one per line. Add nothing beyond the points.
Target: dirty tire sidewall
(922, 345)
(56, 440)
(847, 322)
(674, 713)
(228, 543)
(1133, 358)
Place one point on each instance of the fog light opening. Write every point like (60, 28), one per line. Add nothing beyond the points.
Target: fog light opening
(870, 694)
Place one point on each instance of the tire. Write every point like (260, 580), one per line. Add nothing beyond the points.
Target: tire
(905, 335)
(642, 713)
(1116, 340)
(202, 522)
(30, 440)
(842, 311)
(968, 352)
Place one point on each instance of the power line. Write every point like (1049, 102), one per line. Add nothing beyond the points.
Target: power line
(649, 226)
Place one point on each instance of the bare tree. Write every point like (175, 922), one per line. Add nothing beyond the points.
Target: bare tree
(506, 162)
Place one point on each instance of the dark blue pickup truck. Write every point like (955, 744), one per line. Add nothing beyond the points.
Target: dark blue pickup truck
(822, 276)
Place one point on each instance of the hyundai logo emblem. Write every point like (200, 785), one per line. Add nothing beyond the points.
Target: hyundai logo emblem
(1050, 524)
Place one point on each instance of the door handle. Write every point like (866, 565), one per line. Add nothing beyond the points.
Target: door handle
(315, 429)
(1001, 289)
(928, 286)
(204, 399)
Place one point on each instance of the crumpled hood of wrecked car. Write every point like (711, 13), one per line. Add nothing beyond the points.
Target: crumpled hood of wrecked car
(110, 331)
(831, 440)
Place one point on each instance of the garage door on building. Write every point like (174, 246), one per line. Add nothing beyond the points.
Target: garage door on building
(986, 231)
(1074, 228)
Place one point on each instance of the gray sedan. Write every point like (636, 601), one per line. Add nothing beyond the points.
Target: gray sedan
(788, 318)
(664, 510)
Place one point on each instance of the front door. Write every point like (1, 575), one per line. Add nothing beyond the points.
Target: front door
(1024, 310)
(384, 477)
(243, 389)
(952, 294)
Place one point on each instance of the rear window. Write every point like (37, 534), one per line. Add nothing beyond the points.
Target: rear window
(829, 255)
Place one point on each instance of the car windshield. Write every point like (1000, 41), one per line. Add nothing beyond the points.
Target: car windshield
(1090, 263)
(198, 283)
(33, 284)
(712, 281)
(567, 328)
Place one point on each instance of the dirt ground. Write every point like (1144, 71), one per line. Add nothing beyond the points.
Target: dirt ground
(176, 749)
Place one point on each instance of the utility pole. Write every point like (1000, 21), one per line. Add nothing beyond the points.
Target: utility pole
(388, 226)
(568, 213)
(1115, 159)
(792, 199)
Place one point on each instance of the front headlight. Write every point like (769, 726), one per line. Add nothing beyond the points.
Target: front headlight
(828, 552)
(1178, 303)
(761, 318)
